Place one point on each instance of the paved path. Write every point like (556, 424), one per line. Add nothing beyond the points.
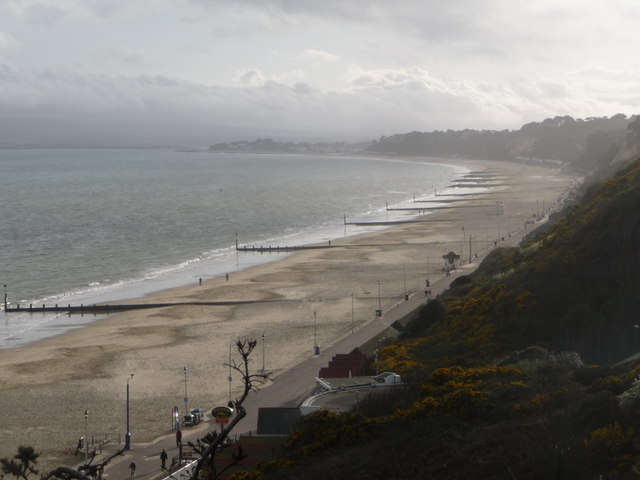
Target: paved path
(289, 388)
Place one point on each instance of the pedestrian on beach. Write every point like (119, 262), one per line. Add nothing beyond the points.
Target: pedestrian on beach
(132, 467)
(226, 275)
(163, 459)
(200, 282)
(178, 438)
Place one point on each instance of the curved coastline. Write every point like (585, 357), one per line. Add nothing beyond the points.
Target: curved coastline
(28, 328)
(51, 382)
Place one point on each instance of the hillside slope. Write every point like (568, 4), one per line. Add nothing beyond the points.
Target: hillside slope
(583, 144)
(512, 373)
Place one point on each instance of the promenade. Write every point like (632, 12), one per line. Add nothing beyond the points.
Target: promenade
(291, 387)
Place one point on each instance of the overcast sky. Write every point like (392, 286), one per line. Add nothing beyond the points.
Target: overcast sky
(202, 71)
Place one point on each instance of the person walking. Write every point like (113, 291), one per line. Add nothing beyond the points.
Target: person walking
(132, 467)
(163, 459)
(178, 438)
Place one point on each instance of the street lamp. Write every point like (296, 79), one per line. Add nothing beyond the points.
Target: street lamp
(379, 301)
(127, 436)
(186, 397)
(352, 313)
(316, 350)
(404, 271)
(5, 297)
(86, 437)
(263, 353)
(230, 378)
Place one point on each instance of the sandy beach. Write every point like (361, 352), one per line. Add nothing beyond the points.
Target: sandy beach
(46, 387)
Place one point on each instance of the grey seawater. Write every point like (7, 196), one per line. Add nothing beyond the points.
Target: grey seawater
(89, 226)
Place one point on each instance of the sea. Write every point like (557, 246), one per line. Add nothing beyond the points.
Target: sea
(85, 226)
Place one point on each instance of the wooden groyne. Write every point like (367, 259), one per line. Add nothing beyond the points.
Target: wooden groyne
(477, 185)
(120, 307)
(277, 248)
(430, 209)
(445, 200)
(400, 222)
(461, 194)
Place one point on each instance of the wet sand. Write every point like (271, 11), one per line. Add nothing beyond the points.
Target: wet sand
(46, 387)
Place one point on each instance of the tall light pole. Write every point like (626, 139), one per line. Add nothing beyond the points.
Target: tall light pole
(379, 298)
(315, 333)
(230, 378)
(352, 313)
(5, 297)
(263, 353)
(427, 271)
(186, 397)
(86, 437)
(404, 271)
(127, 436)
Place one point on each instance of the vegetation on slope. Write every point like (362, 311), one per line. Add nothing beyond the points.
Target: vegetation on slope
(514, 373)
(585, 144)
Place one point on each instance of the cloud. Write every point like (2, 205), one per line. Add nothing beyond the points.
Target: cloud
(7, 41)
(251, 77)
(368, 111)
(124, 55)
(319, 55)
(537, 35)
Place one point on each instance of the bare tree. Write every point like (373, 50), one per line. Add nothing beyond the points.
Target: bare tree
(250, 382)
(23, 464)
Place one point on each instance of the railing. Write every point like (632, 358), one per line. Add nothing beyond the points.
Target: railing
(182, 473)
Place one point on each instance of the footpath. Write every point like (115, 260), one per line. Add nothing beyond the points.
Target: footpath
(290, 388)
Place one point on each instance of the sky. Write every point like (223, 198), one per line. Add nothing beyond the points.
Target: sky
(197, 72)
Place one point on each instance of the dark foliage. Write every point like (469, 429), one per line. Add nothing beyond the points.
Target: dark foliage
(433, 312)
(540, 413)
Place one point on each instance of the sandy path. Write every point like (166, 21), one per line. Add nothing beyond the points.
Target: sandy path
(46, 387)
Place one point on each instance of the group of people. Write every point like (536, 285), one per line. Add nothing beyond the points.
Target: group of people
(226, 276)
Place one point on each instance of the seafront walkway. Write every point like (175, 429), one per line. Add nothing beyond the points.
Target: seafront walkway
(289, 388)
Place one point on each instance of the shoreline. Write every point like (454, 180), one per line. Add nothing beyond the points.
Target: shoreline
(50, 383)
(21, 328)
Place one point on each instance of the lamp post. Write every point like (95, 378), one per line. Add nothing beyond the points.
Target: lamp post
(263, 353)
(427, 271)
(5, 297)
(352, 313)
(379, 298)
(186, 397)
(404, 272)
(315, 334)
(127, 436)
(86, 437)
(230, 378)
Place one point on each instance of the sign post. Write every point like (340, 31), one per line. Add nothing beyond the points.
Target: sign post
(222, 416)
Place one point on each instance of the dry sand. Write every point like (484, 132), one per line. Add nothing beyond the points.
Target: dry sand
(46, 387)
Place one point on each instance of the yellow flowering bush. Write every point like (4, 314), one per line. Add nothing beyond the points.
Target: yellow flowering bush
(324, 429)
(611, 449)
